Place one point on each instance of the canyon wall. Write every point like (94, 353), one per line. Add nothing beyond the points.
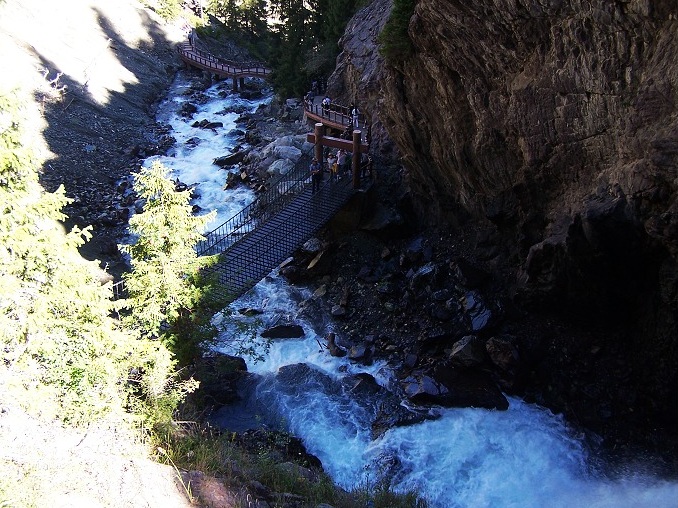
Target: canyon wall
(549, 129)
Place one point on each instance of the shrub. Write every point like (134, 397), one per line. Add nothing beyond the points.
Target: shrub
(394, 40)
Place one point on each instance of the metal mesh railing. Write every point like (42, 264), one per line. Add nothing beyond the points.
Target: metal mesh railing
(281, 190)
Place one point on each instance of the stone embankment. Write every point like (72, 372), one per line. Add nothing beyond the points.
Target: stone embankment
(542, 135)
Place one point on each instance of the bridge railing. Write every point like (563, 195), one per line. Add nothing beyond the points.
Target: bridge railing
(190, 52)
(279, 193)
(224, 61)
(335, 113)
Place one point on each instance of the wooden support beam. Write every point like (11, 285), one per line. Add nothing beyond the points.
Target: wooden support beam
(333, 142)
(318, 135)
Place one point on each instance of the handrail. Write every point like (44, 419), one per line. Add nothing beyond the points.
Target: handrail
(266, 207)
(266, 204)
(224, 61)
(335, 113)
(194, 55)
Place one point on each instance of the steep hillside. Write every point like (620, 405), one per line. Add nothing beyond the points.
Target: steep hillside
(110, 59)
(549, 131)
(98, 69)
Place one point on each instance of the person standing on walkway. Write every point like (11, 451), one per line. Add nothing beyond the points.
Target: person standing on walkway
(355, 115)
(332, 166)
(316, 175)
(341, 160)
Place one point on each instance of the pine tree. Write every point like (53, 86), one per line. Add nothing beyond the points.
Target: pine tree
(62, 355)
(164, 261)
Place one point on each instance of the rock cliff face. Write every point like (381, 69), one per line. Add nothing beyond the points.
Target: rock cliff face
(550, 129)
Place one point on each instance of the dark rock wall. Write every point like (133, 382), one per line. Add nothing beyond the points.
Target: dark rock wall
(551, 127)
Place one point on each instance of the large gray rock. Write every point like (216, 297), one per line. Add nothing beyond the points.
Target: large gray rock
(287, 152)
(281, 167)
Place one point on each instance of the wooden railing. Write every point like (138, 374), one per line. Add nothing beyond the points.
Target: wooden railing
(336, 116)
(203, 60)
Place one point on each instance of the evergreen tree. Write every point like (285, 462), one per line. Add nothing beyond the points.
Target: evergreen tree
(292, 41)
(254, 17)
(62, 355)
(394, 39)
(164, 262)
(228, 11)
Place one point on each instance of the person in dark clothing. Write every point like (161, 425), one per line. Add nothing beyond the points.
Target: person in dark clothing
(316, 175)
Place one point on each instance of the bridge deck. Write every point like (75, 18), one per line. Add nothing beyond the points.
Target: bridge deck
(205, 61)
(251, 258)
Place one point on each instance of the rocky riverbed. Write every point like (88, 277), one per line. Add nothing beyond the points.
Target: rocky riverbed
(432, 303)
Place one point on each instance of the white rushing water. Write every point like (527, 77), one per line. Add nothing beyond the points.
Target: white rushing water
(192, 162)
(524, 457)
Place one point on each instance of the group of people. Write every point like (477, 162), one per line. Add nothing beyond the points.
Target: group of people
(339, 166)
(327, 106)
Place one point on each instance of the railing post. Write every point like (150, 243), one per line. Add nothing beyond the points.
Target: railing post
(356, 158)
(319, 128)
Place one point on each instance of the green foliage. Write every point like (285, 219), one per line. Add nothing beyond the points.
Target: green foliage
(169, 9)
(62, 355)
(394, 39)
(162, 285)
(300, 45)
(221, 455)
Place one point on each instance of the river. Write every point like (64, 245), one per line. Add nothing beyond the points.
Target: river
(523, 457)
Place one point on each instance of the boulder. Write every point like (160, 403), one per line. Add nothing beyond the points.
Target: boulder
(187, 110)
(476, 311)
(332, 346)
(469, 351)
(503, 353)
(454, 387)
(312, 246)
(423, 389)
(283, 331)
(361, 353)
(424, 276)
(280, 167)
(287, 152)
(388, 409)
(230, 160)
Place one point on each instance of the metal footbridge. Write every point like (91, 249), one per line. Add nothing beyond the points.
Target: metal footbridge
(265, 233)
(268, 231)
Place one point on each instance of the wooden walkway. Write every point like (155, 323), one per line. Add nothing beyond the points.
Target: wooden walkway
(336, 116)
(202, 60)
(261, 236)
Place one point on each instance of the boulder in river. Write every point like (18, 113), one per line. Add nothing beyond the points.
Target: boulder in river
(283, 331)
(230, 160)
